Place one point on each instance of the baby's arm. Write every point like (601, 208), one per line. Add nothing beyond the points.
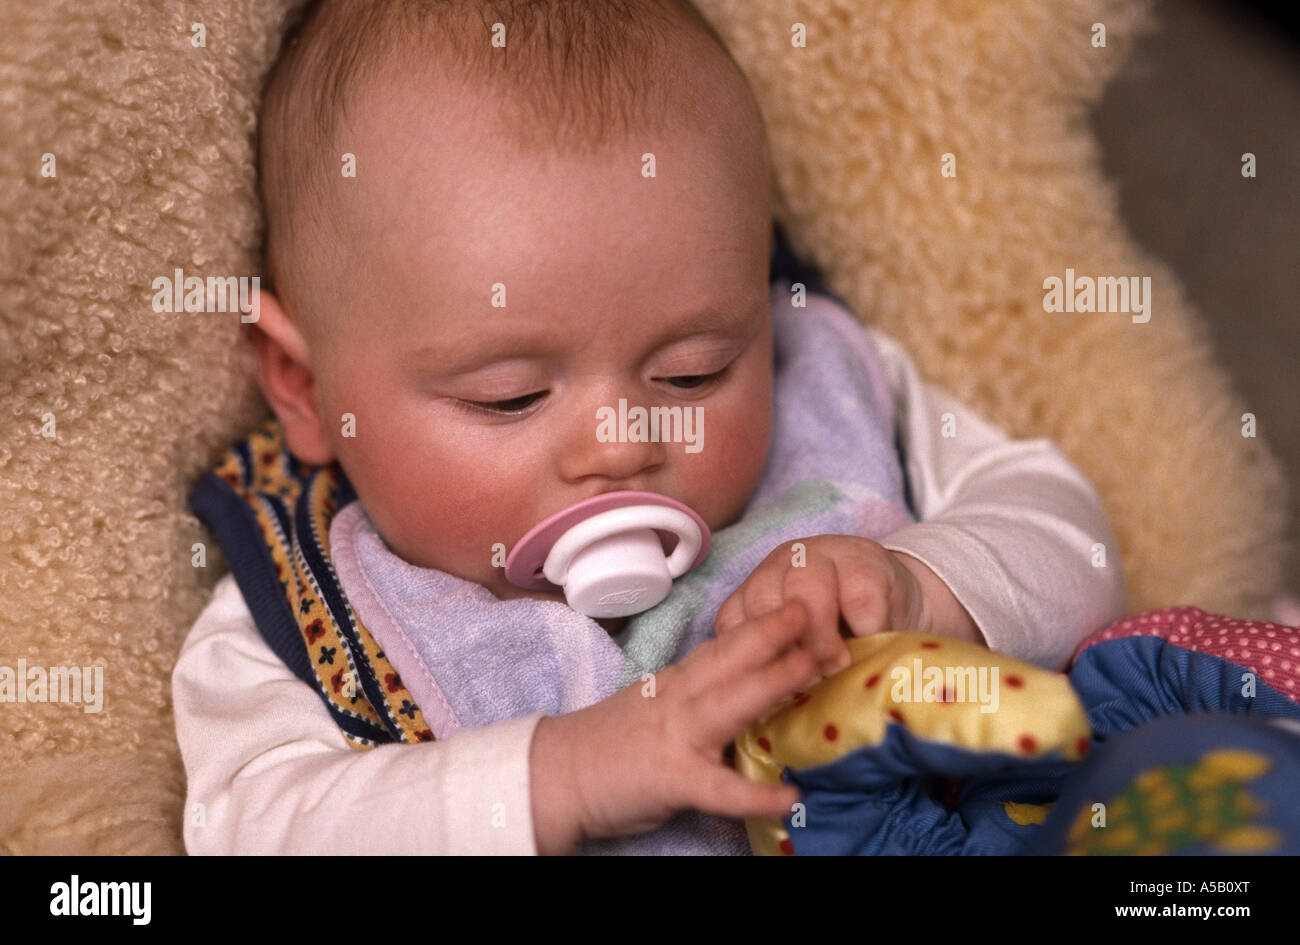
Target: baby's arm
(271, 773)
(1008, 526)
(948, 615)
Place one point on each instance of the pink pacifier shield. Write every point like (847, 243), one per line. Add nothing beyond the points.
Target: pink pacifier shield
(525, 561)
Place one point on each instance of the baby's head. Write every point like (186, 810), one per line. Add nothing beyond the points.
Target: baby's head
(604, 174)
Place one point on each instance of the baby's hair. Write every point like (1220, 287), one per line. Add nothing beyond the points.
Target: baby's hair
(573, 75)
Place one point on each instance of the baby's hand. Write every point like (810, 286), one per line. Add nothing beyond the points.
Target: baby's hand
(627, 764)
(842, 579)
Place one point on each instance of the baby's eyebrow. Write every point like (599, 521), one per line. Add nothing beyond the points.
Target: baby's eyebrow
(714, 318)
(462, 355)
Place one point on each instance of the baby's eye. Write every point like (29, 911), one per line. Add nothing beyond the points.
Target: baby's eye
(694, 381)
(513, 405)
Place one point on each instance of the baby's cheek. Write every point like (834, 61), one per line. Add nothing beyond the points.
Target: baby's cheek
(436, 504)
(728, 468)
(453, 517)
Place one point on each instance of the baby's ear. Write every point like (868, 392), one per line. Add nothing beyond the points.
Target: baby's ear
(284, 371)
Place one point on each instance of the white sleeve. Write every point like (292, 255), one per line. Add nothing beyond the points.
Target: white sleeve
(1008, 525)
(269, 771)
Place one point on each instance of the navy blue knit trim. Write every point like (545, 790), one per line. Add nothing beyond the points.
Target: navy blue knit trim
(785, 265)
(233, 522)
(332, 595)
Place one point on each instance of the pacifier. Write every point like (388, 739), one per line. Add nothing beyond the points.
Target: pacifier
(614, 554)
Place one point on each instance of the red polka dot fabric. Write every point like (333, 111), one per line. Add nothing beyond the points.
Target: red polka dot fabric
(1268, 649)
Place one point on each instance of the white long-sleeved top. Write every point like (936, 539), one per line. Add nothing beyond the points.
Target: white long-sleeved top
(1008, 525)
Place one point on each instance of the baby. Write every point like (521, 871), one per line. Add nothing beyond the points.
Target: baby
(485, 222)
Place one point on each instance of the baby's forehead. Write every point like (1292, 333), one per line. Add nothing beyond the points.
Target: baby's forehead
(364, 121)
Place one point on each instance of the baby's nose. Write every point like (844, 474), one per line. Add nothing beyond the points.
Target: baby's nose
(612, 441)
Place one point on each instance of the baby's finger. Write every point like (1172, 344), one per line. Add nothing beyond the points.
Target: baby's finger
(816, 585)
(758, 595)
(749, 697)
(715, 665)
(730, 615)
(864, 597)
(723, 792)
(763, 640)
(762, 589)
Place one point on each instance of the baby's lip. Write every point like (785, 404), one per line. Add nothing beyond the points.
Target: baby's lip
(619, 489)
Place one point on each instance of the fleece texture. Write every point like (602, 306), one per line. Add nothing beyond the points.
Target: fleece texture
(109, 411)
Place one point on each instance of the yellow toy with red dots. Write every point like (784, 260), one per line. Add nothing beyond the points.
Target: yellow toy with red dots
(940, 689)
(932, 745)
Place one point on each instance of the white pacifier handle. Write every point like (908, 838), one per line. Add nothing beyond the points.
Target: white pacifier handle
(615, 521)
